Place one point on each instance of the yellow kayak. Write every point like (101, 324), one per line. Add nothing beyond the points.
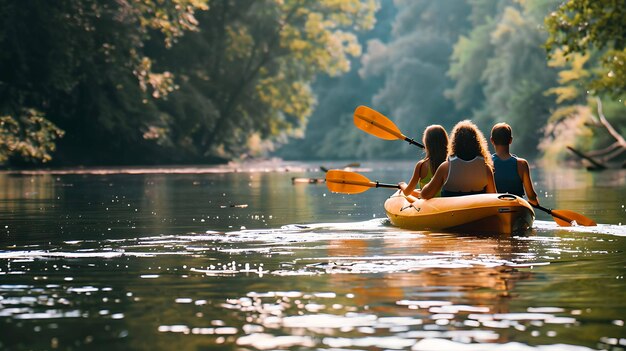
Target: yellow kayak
(484, 213)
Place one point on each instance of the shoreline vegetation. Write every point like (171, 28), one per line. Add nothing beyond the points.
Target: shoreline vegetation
(190, 82)
(260, 165)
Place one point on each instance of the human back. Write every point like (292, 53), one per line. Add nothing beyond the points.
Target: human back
(465, 177)
(507, 175)
(512, 173)
(468, 169)
(435, 141)
(468, 160)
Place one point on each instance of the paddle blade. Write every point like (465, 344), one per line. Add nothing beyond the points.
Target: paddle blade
(560, 217)
(344, 182)
(375, 123)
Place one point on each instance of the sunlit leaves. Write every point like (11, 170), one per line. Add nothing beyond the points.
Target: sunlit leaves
(172, 17)
(87, 67)
(260, 59)
(581, 26)
(571, 79)
(570, 121)
(578, 25)
(121, 75)
(279, 93)
(160, 84)
(30, 137)
(321, 43)
(611, 78)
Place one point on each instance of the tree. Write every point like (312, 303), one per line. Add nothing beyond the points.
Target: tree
(500, 70)
(245, 76)
(579, 26)
(573, 125)
(80, 65)
(127, 86)
(586, 43)
(329, 131)
(413, 66)
(30, 137)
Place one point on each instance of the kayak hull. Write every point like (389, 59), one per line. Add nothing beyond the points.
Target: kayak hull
(483, 213)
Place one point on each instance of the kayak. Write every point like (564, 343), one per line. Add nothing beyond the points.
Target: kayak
(483, 213)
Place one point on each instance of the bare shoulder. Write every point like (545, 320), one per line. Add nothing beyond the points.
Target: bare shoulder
(489, 170)
(443, 168)
(522, 163)
(418, 168)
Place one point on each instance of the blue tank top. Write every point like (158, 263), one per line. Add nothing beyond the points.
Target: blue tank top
(506, 176)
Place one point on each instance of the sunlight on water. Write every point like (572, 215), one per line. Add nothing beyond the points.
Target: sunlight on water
(291, 311)
(214, 276)
(608, 229)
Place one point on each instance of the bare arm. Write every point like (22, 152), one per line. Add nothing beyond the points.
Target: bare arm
(524, 169)
(436, 183)
(407, 189)
(491, 183)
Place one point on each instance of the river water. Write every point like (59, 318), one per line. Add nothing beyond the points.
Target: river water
(242, 259)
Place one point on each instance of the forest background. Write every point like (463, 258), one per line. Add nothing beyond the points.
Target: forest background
(95, 82)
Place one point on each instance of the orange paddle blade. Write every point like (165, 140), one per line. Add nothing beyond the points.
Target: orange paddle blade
(564, 218)
(345, 182)
(375, 123)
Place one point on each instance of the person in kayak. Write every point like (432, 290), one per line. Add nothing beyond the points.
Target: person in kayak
(512, 174)
(468, 170)
(435, 141)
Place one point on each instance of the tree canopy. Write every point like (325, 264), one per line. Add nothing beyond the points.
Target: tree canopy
(177, 81)
(581, 26)
(190, 81)
(586, 44)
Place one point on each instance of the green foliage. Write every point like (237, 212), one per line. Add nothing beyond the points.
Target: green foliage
(493, 54)
(172, 81)
(500, 70)
(329, 131)
(580, 26)
(572, 122)
(246, 75)
(83, 65)
(413, 67)
(586, 44)
(611, 77)
(29, 137)
(468, 62)
(196, 80)
(572, 80)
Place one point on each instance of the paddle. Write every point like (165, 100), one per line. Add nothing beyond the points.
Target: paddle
(375, 123)
(346, 182)
(564, 218)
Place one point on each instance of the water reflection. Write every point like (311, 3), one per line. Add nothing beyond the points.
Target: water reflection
(157, 261)
(478, 269)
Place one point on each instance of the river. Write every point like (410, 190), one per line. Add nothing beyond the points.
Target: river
(239, 258)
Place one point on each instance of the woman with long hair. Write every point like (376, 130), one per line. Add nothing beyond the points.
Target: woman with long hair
(469, 168)
(435, 141)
